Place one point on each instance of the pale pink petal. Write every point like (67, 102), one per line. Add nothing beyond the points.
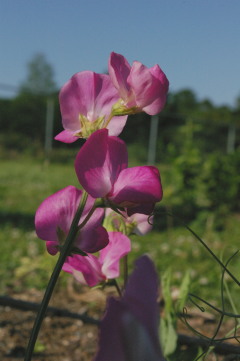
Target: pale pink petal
(159, 102)
(105, 96)
(119, 245)
(143, 223)
(137, 185)
(119, 69)
(85, 269)
(66, 137)
(99, 162)
(90, 95)
(116, 125)
(149, 86)
(139, 87)
(76, 97)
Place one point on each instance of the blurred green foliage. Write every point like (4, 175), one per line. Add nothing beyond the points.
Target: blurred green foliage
(199, 164)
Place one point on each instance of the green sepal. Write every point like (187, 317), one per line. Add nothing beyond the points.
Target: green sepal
(119, 109)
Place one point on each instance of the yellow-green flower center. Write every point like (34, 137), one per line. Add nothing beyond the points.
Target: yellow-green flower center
(88, 127)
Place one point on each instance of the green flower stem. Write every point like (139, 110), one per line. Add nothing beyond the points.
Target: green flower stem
(54, 277)
(108, 120)
(117, 288)
(125, 270)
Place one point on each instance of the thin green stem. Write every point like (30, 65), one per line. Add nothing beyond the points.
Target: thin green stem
(214, 256)
(108, 120)
(125, 270)
(54, 277)
(208, 249)
(117, 288)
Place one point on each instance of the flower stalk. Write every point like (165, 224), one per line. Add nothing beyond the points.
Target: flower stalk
(54, 277)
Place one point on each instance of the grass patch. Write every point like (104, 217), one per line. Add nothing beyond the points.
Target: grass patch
(26, 182)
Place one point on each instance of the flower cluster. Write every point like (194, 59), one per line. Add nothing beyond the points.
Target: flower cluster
(114, 200)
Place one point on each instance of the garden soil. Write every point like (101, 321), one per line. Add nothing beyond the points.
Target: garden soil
(64, 338)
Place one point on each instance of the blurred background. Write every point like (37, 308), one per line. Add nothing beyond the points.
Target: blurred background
(196, 148)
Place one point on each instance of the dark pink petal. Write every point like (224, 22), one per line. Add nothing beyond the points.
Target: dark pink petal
(99, 162)
(119, 245)
(111, 345)
(92, 236)
(57, 211)
(144, 208)
(55, 215)
(85, 269)
(129, 329)
(66, 137)
(92, 240)
(52, 247)
(137, 185)
(119, 69)
(141, 296)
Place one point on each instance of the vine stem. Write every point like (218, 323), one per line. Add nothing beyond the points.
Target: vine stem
(54, 277)
(125, 270)
(207, 248)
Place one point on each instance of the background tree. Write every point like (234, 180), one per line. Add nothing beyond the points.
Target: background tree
(40, 77)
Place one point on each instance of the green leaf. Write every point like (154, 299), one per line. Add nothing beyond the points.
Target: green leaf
(166, 290)
(168, 336)
(183, 292)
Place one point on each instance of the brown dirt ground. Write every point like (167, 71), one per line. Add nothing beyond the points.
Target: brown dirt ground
(66, 339)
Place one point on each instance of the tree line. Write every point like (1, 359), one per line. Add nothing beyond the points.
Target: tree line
(197, 141)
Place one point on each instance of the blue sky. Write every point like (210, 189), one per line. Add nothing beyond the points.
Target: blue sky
(196, 42)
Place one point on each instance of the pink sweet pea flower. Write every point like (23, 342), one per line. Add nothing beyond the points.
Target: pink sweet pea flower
(140, 88)
(101, 167)
(54, 217)
(92, 270)
(86, 102)
(129, 329)
(139, 224)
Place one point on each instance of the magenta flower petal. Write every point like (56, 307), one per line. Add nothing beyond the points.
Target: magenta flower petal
(140, 88)
(57, 211)
(85, 269)
(119, 70)
(137, 185)
(150, 87)
(54, 218)
(141, 296)
(119, 245)
(52, 247)
(99, 162)
(143, 223)
(86, 102)
(145, 208)
(92, 270)
(129, 329)
(93, 236)
(66, 137)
